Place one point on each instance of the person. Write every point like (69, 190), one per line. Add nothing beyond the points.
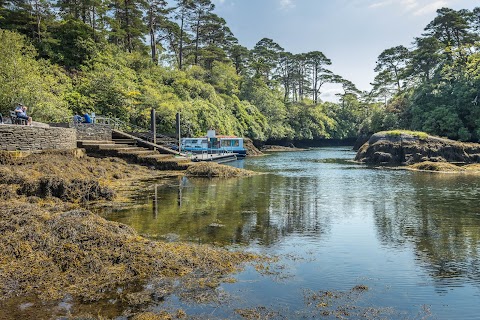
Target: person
(77, 118)
(21, 112)
(86, 118)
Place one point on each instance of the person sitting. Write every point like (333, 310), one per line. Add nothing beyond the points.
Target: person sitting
(77, 119)
(87, 118)
(21, 112)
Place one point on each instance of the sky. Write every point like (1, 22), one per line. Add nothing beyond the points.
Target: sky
(351, 33)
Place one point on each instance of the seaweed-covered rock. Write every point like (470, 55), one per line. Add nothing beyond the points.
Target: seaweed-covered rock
(212, 169)
(78, 253)
(407, 147)
(251, 149)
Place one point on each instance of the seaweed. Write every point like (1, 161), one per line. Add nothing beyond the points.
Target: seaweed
(212, 169)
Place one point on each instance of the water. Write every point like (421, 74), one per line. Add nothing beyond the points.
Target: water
(411, 238)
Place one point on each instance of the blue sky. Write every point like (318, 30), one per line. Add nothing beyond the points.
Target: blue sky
(352, 33)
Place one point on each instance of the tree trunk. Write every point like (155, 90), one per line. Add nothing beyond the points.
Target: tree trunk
(197, 27)
(180, 53)
(127, 27)
(315, 83)
(153, 44)
(39, 19)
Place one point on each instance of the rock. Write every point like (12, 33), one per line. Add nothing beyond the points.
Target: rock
(251, 149)
(361, 140)
(407, 147)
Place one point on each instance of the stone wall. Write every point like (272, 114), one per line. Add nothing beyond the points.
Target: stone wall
(88, 131)
(27, 138)
(97, 131)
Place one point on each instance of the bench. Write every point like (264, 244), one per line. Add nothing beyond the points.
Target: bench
(16, 120)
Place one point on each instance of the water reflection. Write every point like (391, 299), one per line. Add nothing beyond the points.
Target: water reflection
(259, 209)
(416, 233)
(439, 215)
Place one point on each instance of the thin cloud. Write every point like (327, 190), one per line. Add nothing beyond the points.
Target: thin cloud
(286, 4)
(415, 7)
(429, 8)
(410, 4)
(380, 4)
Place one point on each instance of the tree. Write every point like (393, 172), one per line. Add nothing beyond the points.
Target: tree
(126, 24)
(425, 58)
(202, 9)
(317, 60)
(239, 55)
(451, 28)
(156, 10)
(393, 62)
(265, 57)
(184, 14)
(38, 84)
(214, 39)
(28, 17)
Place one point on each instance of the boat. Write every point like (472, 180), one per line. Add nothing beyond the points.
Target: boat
(214, 144)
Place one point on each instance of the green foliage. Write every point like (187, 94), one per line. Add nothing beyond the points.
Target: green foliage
(91, 56)
(443, 75)
(36, 83)
(270, 105)
(310, 121)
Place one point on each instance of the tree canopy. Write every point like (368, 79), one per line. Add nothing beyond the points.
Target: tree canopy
(121, 58)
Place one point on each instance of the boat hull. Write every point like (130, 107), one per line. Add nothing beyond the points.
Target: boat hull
(241, 153)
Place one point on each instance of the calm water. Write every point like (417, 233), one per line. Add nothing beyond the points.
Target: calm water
(412, 238)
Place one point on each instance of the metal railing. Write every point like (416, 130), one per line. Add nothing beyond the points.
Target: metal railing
(132, 129)
(117, 124)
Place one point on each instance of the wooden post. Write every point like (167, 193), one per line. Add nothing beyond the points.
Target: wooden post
(177, 123)
(153, 126)
(155, 201)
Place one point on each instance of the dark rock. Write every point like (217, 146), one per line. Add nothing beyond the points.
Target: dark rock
(399, 147)
(361, 140)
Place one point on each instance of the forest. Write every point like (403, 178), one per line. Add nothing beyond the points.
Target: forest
(121, 58)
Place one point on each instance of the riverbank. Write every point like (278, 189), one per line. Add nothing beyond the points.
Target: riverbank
(54, 250)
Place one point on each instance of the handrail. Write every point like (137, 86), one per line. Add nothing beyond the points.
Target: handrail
(118, 124)
(148, 143)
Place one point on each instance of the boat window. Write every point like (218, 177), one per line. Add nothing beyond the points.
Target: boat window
(194, 141)
(225, 143)
(235, 143)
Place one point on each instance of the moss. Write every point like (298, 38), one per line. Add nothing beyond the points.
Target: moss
(418, 134)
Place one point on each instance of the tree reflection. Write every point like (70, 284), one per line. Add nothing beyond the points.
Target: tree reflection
(438, 214)
(260, 209)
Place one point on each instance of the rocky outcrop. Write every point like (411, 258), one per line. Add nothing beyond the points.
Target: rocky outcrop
(251, 149)
(404, 147)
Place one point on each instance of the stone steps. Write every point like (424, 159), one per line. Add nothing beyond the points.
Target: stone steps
(122, 148)
(131, 142)
(135, 152)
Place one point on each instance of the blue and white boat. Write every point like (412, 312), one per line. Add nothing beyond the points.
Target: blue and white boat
(213, 144)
